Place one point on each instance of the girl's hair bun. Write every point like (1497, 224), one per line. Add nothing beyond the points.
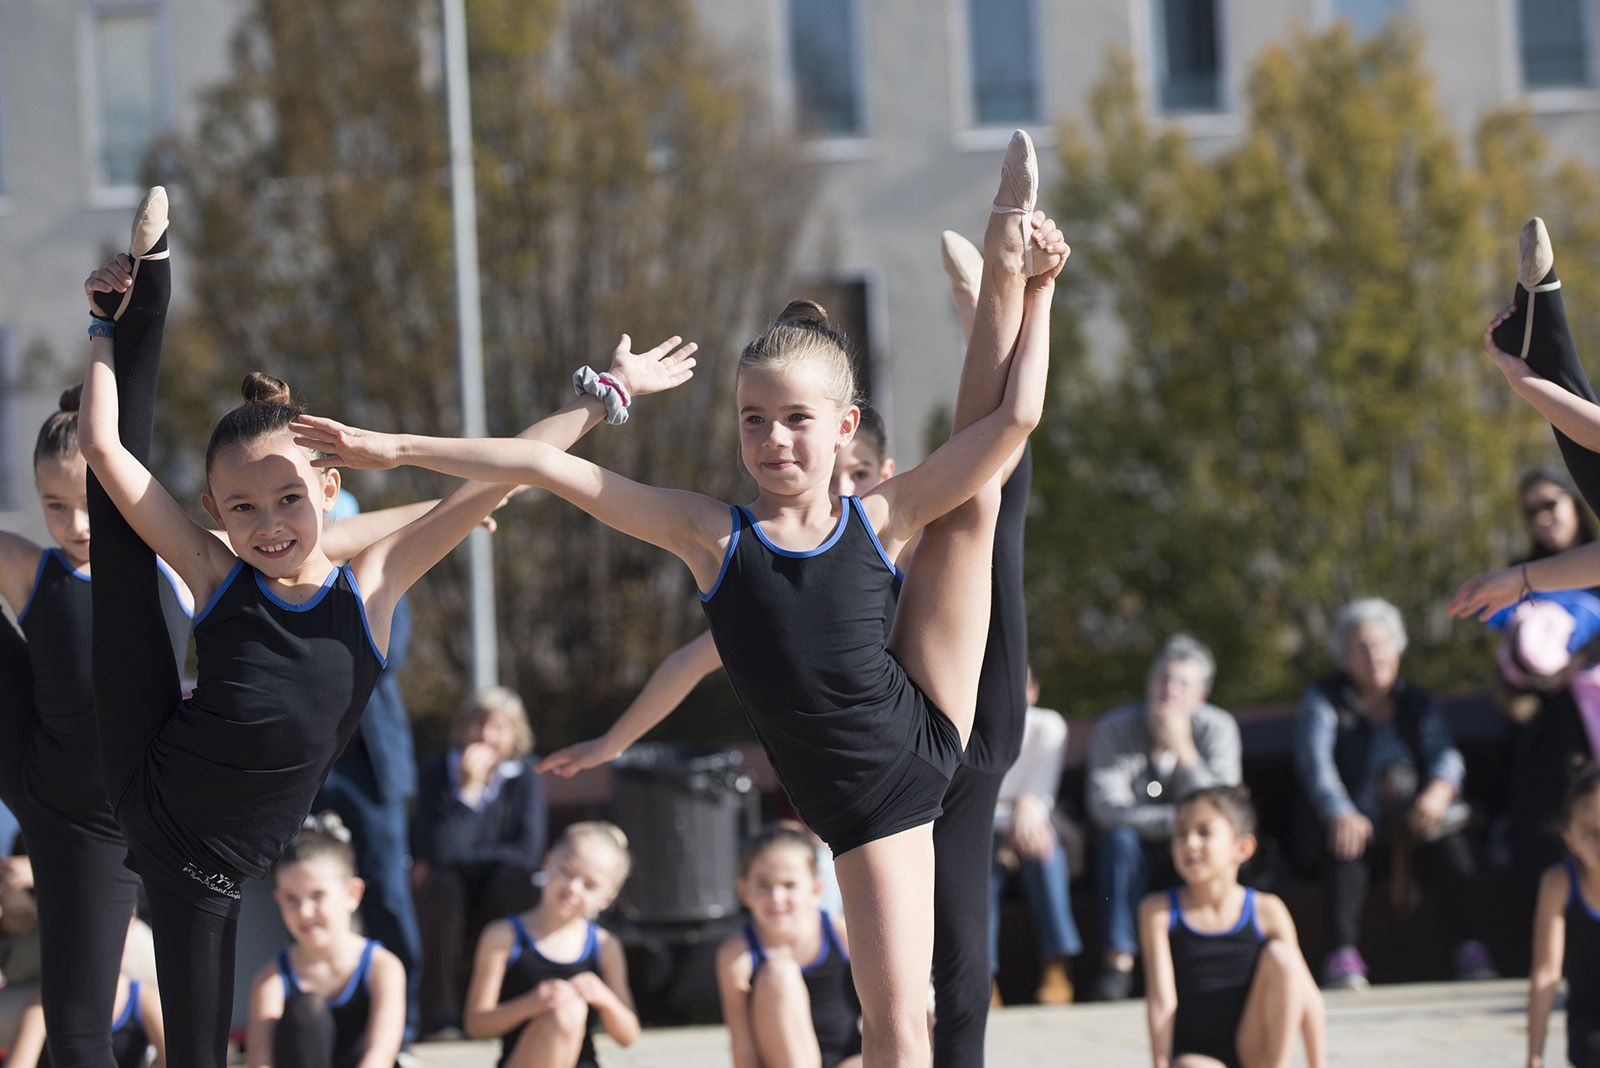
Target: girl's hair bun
(71, 398)
(260, 388)
(804, 313)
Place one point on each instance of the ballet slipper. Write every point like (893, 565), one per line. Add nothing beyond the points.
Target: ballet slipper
(148, 242)
(1019, 193)
(962, 260)
(1536, 263)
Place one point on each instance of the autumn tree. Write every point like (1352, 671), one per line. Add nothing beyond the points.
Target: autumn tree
(629, 179)
(1269, 396)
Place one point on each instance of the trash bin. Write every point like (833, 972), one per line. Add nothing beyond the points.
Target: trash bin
(686, 810)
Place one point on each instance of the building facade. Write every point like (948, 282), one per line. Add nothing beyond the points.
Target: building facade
(907, 103)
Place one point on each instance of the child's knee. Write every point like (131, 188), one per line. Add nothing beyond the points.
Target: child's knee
(570, 1018)
(779, 975)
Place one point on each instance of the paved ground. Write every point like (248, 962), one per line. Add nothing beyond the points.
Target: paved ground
(1475, 1025)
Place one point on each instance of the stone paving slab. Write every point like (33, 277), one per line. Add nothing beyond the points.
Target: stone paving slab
(1442, 1025)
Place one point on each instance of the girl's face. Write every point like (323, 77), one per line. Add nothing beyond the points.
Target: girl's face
(496, 731)
(581, 877)
(789, 429)
(1551, 515)
(1372, 659)
(64, 495)
(1205, 845)
(317, 897)
(780, 888)
(271, 502)
(1582, 831)
(857, 468)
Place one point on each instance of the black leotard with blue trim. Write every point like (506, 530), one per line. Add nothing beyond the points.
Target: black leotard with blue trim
(861, 751)
(526, 968)
(1212, 973)
(351, 1009)
(835, 1009)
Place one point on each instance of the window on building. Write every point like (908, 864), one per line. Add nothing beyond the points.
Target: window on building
(130, 100)
(1190, 55)
(1004, 62)
(1369, 16)
(824, 51)
(1555, 43)
(10, 436)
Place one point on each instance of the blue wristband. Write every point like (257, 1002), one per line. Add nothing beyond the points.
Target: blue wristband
(99, 327)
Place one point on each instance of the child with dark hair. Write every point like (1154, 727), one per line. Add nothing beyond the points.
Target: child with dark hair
(1225, 980)
(1566, 932)
(333, 999)
(787, 993)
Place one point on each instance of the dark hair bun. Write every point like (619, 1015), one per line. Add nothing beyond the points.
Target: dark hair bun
(70, 398)
(804, 313)
(262, 388)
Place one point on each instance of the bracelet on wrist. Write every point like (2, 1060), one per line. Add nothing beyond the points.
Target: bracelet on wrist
(99, 327)
(605, 389)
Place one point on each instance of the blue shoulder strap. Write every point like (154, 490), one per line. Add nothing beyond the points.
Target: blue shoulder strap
(758, 956)
(1174, 909)
(291, 985)
(522, 940)
(830, 938)
(130, 1010)
(591, 947)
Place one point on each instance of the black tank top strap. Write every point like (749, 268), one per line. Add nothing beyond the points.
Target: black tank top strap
(856, 506)
(830, 938)
(1572, 881)
(291, 985)
(758, 955)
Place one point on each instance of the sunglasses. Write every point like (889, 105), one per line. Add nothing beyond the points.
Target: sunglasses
(1535, 509)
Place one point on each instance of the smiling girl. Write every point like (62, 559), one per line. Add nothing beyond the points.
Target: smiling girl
(208, 791)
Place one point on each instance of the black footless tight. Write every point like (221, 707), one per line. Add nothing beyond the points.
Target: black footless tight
(963, 838)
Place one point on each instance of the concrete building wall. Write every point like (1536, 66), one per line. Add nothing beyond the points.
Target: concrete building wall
(919, 164)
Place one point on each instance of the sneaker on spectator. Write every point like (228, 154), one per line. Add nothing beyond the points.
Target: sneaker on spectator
(1114, 984)
(1055, 985)
(1345, 970)
(1473, 962)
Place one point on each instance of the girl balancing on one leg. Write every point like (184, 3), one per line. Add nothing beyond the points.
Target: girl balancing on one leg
(858, 467)
(208, 791)
(863, 734)
(334, 999)
(785, 982)
(1530, 342)
(544, 979)
(1227, 985)
(1566, 932)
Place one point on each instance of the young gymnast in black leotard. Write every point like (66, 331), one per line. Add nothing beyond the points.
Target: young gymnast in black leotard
(50, 777)
(1224, 977)
(1566, 932)
(863, 734)
(333, 999)
(788, 997)
(209, 790)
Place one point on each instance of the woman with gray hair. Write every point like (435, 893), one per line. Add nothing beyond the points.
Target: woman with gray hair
(479, 835)
(1380, 775)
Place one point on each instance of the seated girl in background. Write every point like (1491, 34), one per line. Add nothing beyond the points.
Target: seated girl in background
(1566, 932)
(787, 994)
(333, 999)
(543, 979)
(1226, 984)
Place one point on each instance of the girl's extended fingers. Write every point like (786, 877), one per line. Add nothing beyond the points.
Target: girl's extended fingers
(664, 348)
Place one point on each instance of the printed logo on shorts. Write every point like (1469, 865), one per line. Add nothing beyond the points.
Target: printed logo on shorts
(216, 883)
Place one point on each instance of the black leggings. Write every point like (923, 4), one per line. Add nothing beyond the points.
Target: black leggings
(962, 841)
(305, 1034)
(1445, 869)
(85, 893)
(1552, 355)
(137, 688)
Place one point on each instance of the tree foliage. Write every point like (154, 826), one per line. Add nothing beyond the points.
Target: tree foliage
(621, 187)
(1269, 396)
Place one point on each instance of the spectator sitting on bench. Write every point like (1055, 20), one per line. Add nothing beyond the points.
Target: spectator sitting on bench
(1143, 758)
(1026, 843)
(1376, 763)
(478, 837)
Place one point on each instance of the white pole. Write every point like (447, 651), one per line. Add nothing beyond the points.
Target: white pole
(474, 420)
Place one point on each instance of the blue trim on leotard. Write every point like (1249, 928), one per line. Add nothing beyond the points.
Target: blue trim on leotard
(361, 602)
(591, 945)
(727, 557)
(130, 1008)
(855, 502)
(222, 587)
(838, 532)
(1247, 915)
(1575, 890)
(830, 944)
(358, 978)
(305, 606)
